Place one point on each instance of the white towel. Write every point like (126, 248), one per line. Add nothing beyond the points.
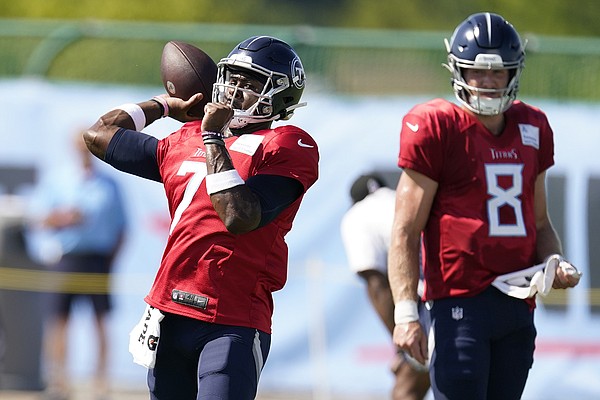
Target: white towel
(527, 282)
(144, 337)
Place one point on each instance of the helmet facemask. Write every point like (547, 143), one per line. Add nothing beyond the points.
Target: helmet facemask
(263, 109)
(484, 101)
(487, 101)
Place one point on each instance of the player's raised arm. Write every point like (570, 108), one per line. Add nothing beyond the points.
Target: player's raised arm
(136, 117)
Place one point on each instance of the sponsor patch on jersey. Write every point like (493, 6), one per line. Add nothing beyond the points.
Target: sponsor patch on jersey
(530, 135)
(247, 144)
(189, 299)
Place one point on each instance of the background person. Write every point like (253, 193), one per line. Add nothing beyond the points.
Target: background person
(366, 230)
(473, 187)
(80, 224)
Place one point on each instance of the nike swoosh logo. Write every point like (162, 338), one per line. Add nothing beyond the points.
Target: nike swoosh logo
(412, 127)
(301, 144)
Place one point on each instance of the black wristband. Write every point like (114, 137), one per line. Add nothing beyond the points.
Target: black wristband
(213, 138)
(164, 107)
(220, 142)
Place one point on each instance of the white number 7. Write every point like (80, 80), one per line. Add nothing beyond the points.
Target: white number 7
(199, 171)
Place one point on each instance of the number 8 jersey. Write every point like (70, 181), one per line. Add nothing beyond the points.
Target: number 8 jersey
(482, 220)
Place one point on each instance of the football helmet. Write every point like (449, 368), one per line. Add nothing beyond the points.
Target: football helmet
(272, 61)
(485, 41)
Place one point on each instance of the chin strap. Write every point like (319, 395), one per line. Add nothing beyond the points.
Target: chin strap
(288, 112)
(238, 122)
(291, 108)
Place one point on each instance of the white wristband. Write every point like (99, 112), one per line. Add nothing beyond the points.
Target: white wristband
(136, 113)
(405, 311)
(223, 180)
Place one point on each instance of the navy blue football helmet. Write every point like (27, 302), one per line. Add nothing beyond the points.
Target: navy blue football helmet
(485, 41)
(272, 61)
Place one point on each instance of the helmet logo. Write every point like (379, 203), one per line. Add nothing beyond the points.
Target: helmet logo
(490, 60)
(241, 57)
(297, 73)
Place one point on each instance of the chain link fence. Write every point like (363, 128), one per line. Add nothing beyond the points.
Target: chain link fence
(345, 61)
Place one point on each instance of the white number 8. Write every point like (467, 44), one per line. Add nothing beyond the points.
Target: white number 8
(503, 197)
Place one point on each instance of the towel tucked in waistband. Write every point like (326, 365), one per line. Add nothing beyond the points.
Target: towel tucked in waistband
(527, 282)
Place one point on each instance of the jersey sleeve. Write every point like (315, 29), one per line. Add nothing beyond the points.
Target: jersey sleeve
(135, 153)
(293, 153)
(546, 159)
(421, 145)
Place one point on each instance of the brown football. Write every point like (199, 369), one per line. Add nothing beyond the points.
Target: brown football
(186, 70)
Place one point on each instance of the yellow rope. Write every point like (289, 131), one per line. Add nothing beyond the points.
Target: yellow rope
(34, 280)
(561, 297)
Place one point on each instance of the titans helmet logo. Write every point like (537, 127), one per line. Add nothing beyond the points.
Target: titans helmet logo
(297, 73)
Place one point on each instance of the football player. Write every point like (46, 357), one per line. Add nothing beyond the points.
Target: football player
(366, 229)
(473, 186)
(234, 185)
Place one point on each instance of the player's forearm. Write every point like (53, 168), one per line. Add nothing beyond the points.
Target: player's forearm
(403, 262)
(130, 116)
(237, 206)
(547, 242)
(127, 116)
(404, 281)
(404, 275)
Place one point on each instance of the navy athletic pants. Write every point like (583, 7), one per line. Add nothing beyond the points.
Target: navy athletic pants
(483, 346)
(205, 361)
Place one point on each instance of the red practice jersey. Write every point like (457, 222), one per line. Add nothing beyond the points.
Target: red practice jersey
(206, 272)
(482, 221)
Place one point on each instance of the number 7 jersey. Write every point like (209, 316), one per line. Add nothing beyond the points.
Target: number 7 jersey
(206, 272)
(482, 220)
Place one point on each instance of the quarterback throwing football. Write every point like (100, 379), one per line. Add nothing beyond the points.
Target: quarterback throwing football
(233, 185)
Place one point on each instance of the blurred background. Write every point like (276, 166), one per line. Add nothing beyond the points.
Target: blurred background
(63, 64)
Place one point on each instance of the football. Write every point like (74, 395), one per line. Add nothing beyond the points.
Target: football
(186, 70)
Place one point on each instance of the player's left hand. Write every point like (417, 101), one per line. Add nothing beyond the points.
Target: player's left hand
(216, 117)
(567, 276)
